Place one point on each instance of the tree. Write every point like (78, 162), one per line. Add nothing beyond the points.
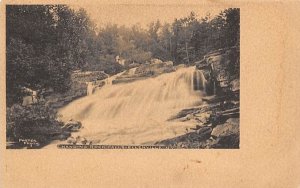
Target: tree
(232, 26)
(44, 44)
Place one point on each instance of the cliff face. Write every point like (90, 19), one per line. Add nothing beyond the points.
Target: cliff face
(221, 70)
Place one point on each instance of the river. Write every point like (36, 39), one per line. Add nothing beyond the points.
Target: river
(137, 113)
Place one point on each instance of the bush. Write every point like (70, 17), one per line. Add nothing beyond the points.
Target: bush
(33, 122)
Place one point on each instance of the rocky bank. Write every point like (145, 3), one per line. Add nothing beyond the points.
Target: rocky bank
(217, 118)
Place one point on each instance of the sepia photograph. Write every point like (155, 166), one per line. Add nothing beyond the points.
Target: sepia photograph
(142, 94)
(122, 76)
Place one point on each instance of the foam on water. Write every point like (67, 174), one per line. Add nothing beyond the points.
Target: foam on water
(137, 112)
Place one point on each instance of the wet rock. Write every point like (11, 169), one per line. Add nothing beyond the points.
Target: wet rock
(183, 119)
(209, 125)
(231, 126)
(221, 67)
(169, 63)
(196, 128)
(71, 140)
(156, 67)
(88, 76)
(202, 117)
(79, 140)
(235, 85)
(156, 61)
(64, 135)
(216, 118)
(189, 140)
(190, 116)
(204, 131)
(72, 125)
(183, 113)
(231, 141)
(180, 66)
(84, 141)
(214, 99)
(202, 65)
(61, 136)
(211, 142)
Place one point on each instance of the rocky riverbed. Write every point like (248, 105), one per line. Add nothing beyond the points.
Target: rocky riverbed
(217, 119)
(213, 123)
(216, 126)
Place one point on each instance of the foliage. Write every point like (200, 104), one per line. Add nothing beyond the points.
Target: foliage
(45, 43)
(33, 122)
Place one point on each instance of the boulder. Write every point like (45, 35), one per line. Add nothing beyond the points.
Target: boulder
(71, 140)
(202, 117)
(30, 97)
(204, 131)
(180, 66)
(88, 76)
(219, 69)
(72, 125)
(189, 139)
(156, 61)
(61, 136)
(133, 65)
(156, 67)
(231, 126)
(169, 63)
(183, 113)
(231, 141)
(235, 85)
(201, 65)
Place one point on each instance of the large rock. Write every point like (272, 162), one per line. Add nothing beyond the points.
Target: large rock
(156, 61)
(231, 126)
(203, 116)
(220, 68)
(202, 65)
(156, 67)
(235, 85)
(56, 100)
(169, 63)
(218, 65)
(191, 139)
(231, 141)
(72, 125)
(180, 66)
(88, 76)
(204, 132)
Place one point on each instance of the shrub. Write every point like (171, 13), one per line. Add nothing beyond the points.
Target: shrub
(32, 122)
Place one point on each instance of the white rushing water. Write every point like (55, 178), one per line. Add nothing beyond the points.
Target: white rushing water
(137, 112)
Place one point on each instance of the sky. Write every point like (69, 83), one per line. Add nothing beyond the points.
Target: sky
(129, 15)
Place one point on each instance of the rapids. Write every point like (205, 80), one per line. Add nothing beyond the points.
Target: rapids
(137, 112)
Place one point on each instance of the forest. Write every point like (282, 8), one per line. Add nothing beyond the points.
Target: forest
(46, 43)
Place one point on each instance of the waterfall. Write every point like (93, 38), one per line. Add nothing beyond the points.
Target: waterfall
(199, 81)
(132, 71)
(137, 112)
(109, 80)
(214, 88)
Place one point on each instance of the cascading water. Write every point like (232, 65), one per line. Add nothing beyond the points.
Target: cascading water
(137, 112)
(199, 81)
(132, 71)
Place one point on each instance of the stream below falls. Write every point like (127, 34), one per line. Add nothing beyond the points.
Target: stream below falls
(137, 113)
